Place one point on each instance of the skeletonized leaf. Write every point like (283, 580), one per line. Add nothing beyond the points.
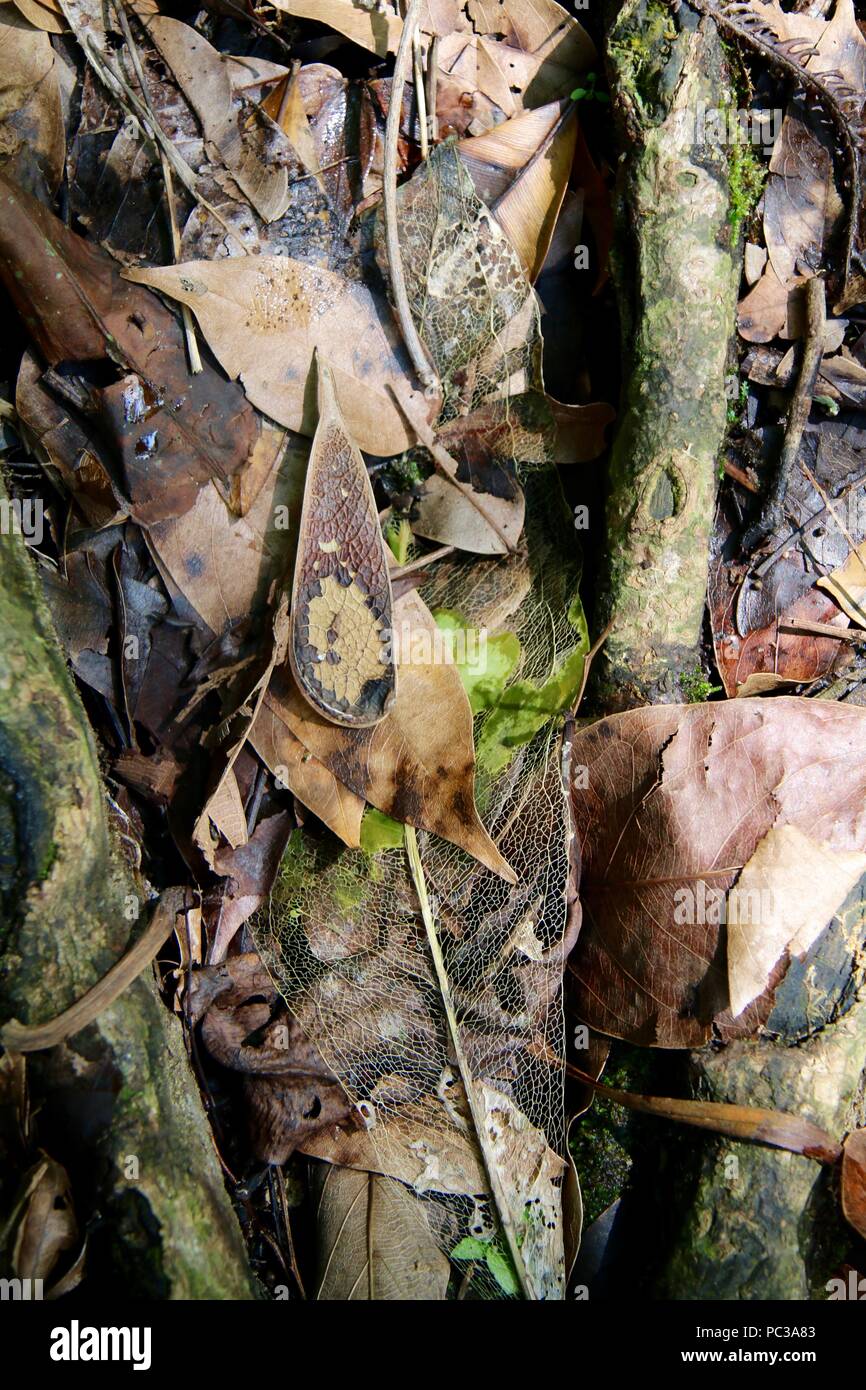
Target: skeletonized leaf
(264, 317)
(341, 593)
(671, 806)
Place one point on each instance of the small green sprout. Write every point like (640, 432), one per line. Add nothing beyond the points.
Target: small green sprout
(696, 687)
(590, 92)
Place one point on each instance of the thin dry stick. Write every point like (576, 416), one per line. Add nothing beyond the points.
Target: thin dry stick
(432, 79)
(801, 404)
(806, 628)
(416, 349)
(21, 1037)
(420, 94)
(776, 1128)
(416, 869)
(438, 554)
(195, 365)
(126, 97)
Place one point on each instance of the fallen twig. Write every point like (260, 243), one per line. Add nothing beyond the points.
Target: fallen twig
(798, 415)
(416, 349)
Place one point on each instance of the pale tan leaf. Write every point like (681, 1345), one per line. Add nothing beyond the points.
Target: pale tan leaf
(42, 14)
(787, 893)
(225, 811)
(446, 514)
(373, 29)
(374, 1241)
(847, 585)
(264, 318)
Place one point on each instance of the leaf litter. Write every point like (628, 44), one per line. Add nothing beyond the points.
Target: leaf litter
(393, 914)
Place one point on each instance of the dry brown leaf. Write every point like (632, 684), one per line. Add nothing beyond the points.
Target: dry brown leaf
(676, 803)
(854, 1181)
(265, 317)
(225, 565)
(446, 514)
(47, 1227)
(796, 211)
(520, 170)
(540, 47)
(308, 779)
(418, 765)
(285, 106)
(203, 76)
(426, 1159)
(375, 29)
(771, 309)
(42, 14)
(787, 893)
(225, 811)
(374, 1242)
(32, 136)
(847, 585)
(161, 420)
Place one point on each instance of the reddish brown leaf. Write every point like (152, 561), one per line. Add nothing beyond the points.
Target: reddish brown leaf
(172, 431)
(671, 806)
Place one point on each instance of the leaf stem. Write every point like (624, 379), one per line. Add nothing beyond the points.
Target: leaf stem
(416, 869)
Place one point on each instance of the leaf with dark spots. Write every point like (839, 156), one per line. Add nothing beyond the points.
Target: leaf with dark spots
(695, 825)
(172, 431)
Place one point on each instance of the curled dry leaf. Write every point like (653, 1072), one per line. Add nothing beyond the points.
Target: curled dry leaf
(418, 764)
(265, 317)
(854, 1181)
(341, 595)
(32, 137)
(673, 804)
(203, 75)
(520, 170)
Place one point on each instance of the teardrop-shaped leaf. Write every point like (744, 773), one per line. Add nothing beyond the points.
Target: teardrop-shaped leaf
(341, 595)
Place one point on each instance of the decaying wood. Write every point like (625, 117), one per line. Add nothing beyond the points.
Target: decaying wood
(676, 272)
